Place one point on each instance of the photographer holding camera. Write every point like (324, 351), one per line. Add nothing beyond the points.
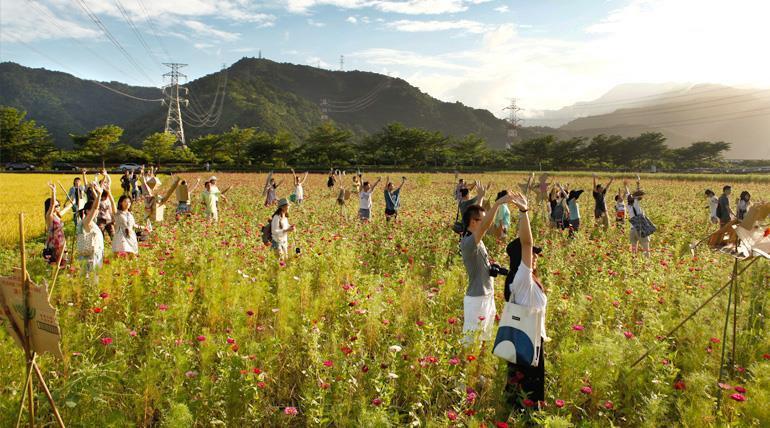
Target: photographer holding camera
(479, 301)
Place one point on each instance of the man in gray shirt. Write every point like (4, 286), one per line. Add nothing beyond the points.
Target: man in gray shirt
(479, 301)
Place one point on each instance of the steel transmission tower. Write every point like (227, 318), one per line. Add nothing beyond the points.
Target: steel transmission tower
(513, 120)
(171, 91)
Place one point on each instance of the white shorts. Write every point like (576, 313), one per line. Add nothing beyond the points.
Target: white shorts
(475, 308)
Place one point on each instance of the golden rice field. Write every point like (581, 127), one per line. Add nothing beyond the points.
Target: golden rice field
(363, 327)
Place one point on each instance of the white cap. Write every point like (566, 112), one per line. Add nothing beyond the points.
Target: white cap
(213, 178)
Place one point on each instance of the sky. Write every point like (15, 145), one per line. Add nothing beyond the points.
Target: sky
(545, 53)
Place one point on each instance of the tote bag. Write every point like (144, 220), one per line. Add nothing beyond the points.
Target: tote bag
(518, 335)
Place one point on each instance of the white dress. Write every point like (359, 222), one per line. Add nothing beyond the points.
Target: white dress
(299, 192)
(125, 238)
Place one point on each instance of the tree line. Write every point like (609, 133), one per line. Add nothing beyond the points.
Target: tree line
(328, 145)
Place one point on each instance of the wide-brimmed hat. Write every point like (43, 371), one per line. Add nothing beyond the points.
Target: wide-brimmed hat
(638, 193)
(282, 202)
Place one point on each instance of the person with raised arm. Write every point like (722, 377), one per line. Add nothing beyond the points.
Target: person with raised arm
(55, 242)
(280, 228)
(77, 194)
(104, 216)
(635, 210)
(210, 197)
(183, 197)
(299, 191)
(600, 209)
(479, 300)
(154, 204)
(392, 199)
(365, 200)
(270, 190)
(90, 238)
(523, 287)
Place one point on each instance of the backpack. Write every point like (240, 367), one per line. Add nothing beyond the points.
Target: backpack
(267, 232)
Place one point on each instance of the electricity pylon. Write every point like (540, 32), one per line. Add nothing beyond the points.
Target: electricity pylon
(174, 123)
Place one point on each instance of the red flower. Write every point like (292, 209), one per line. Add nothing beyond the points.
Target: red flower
(738, 397)
(501, 424)
(104, 295)
(628, 334)
(559, 403)
(230, 340)
(201, 338)
(471, 358)
(608, 405)
(106, 341)
(328, 363)
(261, 385)
(679, 385)
(714, 340)
(256, 370)
(766, 356)
(528, 403)
(346, 350)
(740, 389)
(452, 320)
(376, 402)
(578, 327)
(586, 390)
(162, 307)
(250, 313)
(97, 310)
(452, 415)
(324, 385)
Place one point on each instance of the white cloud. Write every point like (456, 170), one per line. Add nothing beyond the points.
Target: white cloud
(502, 9)
(315, 23)
(317, 62)
(406, 7)
(202, 45)
(391, 57)
(30, 22)
(426, 26)
(208, 31)
(352, 20)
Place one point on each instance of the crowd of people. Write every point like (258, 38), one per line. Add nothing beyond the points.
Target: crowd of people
(98, 217)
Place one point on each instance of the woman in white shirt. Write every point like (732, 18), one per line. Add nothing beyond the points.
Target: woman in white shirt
(525, 288)
(280, 228)
(90, 241)
(299, 191)
(713, 203)
(125, 240)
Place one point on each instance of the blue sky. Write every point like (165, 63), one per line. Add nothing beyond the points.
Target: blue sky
(546, 53)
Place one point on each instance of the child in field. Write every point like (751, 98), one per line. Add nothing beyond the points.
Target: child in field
(365, 200)
(620, 210)
(77, 194)
(743, 204)
(280, 228)
(210, 196)
(125, 240)
(104, 218)
(635, 210)
(503, 217)
(55, 242)
(90, 240)
(392, 199)
(299, 191)
(713, 204)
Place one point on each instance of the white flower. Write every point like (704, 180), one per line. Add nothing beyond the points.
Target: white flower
(392, 376)
(394, 349)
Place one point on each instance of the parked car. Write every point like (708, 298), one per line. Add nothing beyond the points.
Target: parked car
(19, 166)
(129, 167)
(64, 166)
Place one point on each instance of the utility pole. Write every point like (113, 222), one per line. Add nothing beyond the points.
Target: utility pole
(171, 92)
(513, 121)
(342, 62)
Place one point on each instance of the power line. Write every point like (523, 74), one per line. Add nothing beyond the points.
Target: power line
(136, 31)
(44, 55)
(98, 22)
(153, 28)
(52, 20)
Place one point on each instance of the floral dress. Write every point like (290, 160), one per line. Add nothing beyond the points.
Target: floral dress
(125, 237)
(55, 242)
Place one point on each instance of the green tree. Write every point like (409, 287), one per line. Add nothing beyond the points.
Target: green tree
(211, 148)
(159, 147)
(701, 153)
(237, 141)
(98, 143)
(328, 145)
(22, 140)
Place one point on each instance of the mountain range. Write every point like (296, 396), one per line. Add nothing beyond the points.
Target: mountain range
(276, 96)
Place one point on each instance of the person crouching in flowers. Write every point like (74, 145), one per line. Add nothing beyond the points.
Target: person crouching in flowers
(90, 240)
(479, 301)
(280, 228)
(522, 282)
(125, 240)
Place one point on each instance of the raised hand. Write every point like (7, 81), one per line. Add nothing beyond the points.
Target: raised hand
(519, 200)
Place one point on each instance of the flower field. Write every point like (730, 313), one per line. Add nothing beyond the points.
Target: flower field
(363, 326)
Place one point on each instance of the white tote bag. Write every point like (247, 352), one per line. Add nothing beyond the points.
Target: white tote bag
(518, 335)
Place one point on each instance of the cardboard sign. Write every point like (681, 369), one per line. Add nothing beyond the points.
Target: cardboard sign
(44, 326)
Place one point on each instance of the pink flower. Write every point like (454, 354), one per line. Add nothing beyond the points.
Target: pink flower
(578, 327)
(608, 405)
(725, 386)
(586, 390)
(452, 415)
(377, 401)
(328, 363)
(104, 295)
(628, 334)
(132, 333)
(559, 403)
(740, 389)
(471, 397)
(201, 338)
(191, 374)
(106, 341)
(230, 340)
(454, 361)
(291, 411)
(162, 307)
(738, 397)
(261, 385)
(714, 340)
(452, 320)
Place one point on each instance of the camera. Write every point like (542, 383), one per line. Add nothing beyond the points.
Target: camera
(495, 270)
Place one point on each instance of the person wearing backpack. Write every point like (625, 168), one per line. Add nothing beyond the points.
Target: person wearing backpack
(280, 228)
(637, 237)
